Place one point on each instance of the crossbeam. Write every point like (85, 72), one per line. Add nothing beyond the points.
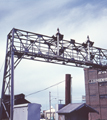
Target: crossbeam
(51, 49)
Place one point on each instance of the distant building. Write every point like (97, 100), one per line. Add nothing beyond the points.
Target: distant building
(83, 99)
(47, 114)
(96, 92)
(57, 108)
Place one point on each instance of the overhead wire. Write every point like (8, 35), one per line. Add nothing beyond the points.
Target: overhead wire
(37, 91)
(44, 89)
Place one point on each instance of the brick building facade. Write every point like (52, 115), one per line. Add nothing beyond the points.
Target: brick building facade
(96, 92)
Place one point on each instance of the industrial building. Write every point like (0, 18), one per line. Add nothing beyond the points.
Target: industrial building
(23, 109)
(47, 114)
(96, 92)
(73, 111)
(19, 99)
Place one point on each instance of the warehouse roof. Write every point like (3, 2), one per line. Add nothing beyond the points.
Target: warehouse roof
(76, 107)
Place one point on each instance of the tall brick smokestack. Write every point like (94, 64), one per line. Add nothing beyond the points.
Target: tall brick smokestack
(67, 89)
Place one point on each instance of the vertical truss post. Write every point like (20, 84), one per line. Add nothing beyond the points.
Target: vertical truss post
(4, 85)
(12, 77)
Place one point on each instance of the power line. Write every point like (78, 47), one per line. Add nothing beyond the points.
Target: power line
(44, 89)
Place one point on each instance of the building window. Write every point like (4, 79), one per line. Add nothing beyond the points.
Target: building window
(93, 95)
(102, 72)
(103, 84)
(103, 96)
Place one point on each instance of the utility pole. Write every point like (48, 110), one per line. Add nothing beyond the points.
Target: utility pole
(60, 100)
(50, 103)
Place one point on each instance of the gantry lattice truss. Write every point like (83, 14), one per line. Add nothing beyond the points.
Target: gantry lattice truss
(28, 45)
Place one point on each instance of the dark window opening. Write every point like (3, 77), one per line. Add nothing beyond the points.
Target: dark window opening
(93, 95)
(103, 84)
(103, 96)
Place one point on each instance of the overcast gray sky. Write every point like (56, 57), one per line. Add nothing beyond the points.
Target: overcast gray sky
(75, 18)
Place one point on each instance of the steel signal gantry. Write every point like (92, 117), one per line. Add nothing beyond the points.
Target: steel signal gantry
(28, 45)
